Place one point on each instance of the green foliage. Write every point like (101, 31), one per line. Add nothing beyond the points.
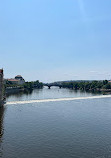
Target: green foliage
(26, 85)
(107, 86)
(87, 85)
(34, 84)
(105, 82)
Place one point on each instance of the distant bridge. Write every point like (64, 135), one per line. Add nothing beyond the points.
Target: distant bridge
(49, 85)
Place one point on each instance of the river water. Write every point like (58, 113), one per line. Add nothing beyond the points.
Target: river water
(55, 129)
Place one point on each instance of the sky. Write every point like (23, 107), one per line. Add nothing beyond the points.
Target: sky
(55, 40)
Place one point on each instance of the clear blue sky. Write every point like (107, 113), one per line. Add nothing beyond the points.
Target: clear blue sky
(53, 40)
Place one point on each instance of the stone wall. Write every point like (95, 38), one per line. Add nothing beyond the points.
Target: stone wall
(1, 85)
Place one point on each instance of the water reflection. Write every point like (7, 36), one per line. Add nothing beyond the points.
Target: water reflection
(19, 94)
(80, 129)
(2, 110)
(46, 93)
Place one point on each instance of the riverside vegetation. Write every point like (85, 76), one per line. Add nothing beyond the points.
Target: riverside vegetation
(104, 85)
(27, 85)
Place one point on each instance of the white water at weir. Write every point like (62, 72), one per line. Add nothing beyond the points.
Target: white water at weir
(57, 100)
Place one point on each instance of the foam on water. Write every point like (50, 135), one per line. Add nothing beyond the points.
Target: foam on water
(56, 100)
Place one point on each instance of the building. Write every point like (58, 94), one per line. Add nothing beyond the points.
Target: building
(12, 81)
(18, 80)
(1, 86)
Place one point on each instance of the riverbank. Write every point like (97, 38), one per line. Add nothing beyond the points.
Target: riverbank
(27, 86)
(99, 86)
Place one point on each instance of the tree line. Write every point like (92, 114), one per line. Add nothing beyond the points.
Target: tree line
(26, 85)
(87, 85)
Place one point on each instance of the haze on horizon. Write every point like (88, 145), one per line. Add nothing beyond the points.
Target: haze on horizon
(53, 40)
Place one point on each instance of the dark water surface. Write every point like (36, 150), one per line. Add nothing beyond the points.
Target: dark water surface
(67, 129)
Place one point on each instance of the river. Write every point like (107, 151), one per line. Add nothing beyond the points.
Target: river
(79, 128)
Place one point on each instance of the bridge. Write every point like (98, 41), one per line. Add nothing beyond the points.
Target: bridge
(49, 85)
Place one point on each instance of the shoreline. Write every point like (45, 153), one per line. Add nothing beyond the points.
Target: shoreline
(11, 90)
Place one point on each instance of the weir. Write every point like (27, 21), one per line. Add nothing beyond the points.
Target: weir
(57, 100)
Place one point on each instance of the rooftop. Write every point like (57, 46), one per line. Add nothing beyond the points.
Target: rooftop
(18, 76)
(12, 79)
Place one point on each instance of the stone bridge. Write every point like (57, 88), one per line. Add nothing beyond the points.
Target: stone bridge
(49, 85)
